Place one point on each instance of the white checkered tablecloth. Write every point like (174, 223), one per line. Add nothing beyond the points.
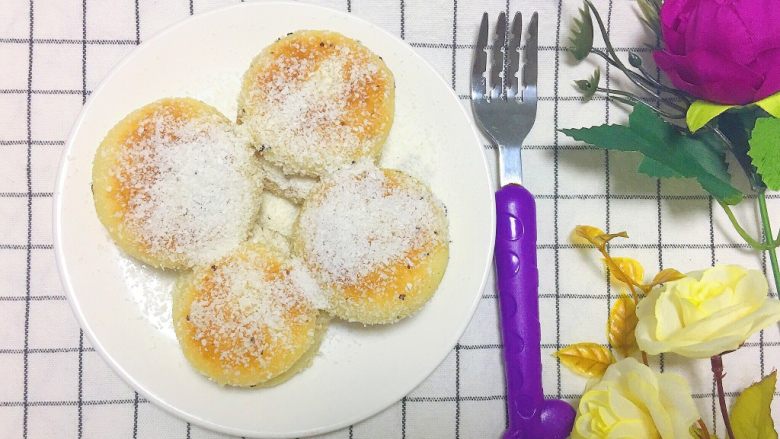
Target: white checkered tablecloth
(54, 384)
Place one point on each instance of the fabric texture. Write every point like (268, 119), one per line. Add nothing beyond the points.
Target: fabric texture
(54, 384)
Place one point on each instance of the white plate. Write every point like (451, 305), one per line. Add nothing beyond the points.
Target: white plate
(123, 306)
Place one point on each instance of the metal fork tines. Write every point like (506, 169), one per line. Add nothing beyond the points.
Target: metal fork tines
(505, 109)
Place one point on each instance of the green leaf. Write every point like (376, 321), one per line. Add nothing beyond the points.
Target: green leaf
(656, 169)
(701, 112)
(738, 127)
(650, 10)
(688, 156)
(751, 416)
(765, 150)
(588, 86)
(771, 104)
(582, 34)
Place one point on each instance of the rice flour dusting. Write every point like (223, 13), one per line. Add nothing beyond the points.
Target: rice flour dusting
(250, 308)
(192, 185)
(361, 223)
(304, 111)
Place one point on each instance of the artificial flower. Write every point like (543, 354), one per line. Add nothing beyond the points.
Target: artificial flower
(633, 401)
(705, 313)
(722, 51)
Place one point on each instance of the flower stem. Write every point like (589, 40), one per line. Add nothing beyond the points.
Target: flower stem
(605, 35)
(639, 81)
(704, 431)
(742, 232)
(768, 233)
(717, 372)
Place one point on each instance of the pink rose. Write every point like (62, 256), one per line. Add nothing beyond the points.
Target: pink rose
(723, 51)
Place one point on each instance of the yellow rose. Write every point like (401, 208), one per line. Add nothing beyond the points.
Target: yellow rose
(706, 313)
(633, 401)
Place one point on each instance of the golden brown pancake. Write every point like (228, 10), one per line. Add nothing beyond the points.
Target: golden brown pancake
(249, 319)
(316, 100)
(376, 240)
(164, 179)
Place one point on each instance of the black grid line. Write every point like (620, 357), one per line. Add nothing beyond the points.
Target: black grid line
(80, 409)
(465, 97)
(135, 402)
(410, 399)
(402, 7)
(28, 262)
(556, 186)
(540, 246)
(137, 24)
(457, 344)
(32, 142)
(541, 196)
(67, 403)
(607, 172)
(712, 262)
(32, 298)
(65, 41)
(26, 246)
(415, 44)
(45, 350)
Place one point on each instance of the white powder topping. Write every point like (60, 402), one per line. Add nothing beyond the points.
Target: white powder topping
(301, 277)
(303, 108)
(251, 306)
(150, 290)
(193, 187)
(361, 223)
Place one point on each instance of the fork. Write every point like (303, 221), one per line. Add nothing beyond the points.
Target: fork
(506, 113)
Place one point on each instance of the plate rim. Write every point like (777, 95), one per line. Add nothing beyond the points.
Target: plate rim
(57, 214)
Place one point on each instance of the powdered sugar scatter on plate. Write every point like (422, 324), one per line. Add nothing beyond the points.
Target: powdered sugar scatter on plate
(150, 290)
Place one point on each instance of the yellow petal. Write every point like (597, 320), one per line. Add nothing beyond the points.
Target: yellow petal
(667, 315)
(768, 314)
(645, 327)
(675, 394)
(706, 349)
(724, 274)
(752, 288)
(587, 359)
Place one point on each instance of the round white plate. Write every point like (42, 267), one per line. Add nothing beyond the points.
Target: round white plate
(124, 307)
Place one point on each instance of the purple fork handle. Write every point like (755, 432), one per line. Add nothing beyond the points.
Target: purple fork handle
(530, 416)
